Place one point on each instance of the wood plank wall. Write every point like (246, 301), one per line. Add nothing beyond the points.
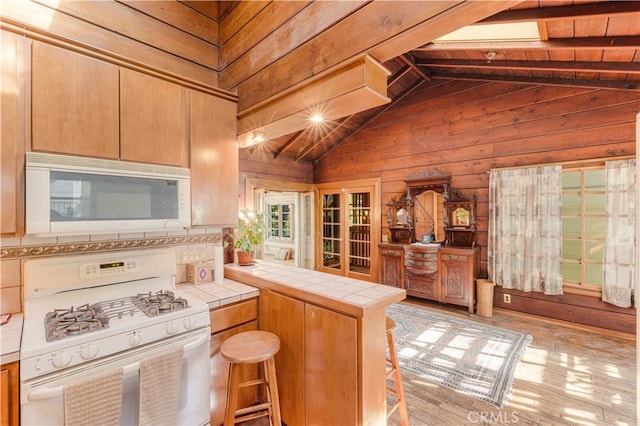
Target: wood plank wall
(178, 38)
(466, 128)
(268, 47)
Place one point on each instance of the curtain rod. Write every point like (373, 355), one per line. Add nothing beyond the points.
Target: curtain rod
(565, 163)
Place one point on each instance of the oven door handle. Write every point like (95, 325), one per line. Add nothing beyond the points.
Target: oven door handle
(127, 370)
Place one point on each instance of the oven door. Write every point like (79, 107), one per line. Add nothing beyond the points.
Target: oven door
(41, 401)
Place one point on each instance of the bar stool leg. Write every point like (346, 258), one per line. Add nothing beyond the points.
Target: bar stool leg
(232, 395)
(273, 391)
(401, 405)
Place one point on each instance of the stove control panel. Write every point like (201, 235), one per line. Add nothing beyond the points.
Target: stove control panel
(95, 270)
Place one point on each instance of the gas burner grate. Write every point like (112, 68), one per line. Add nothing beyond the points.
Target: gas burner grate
(74, 321)
(163, 301)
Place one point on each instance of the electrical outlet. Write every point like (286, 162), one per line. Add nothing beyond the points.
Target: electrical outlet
(507, 298)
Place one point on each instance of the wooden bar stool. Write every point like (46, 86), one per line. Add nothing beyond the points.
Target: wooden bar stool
(251, 347)
(393, 371)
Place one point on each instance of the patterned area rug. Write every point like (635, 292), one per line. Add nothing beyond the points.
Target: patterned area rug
(467, 356)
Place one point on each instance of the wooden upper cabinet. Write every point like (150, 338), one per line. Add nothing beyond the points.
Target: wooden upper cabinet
(152, 120)
(12, 133)
(74, 103)
(214, 160)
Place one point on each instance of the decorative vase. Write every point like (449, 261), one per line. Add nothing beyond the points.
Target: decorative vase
(244, 258)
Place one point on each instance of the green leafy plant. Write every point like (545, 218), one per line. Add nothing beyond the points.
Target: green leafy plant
(251, 230)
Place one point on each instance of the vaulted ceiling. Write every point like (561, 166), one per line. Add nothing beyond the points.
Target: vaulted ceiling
(584, 43)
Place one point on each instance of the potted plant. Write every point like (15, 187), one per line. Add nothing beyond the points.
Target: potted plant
(251, 230)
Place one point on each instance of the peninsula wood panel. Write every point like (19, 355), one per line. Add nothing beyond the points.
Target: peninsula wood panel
(467, 128)
(74, 103)
(39, 20)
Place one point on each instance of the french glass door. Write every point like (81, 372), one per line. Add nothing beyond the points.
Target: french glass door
(349, 228)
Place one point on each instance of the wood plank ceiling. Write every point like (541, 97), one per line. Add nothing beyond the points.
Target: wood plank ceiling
(584, 43)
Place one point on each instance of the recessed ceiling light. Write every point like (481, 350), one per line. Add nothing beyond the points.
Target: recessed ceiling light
(258, 136)
(316, 118)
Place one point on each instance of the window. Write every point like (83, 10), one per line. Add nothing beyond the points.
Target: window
(584, 226)
(279, 221)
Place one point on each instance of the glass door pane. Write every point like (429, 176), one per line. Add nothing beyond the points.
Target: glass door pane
(360, 232)
(331, 231)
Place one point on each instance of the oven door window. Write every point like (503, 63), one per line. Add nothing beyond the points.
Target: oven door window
(96, 197)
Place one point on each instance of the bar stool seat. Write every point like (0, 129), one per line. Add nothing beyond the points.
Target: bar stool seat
(393, 371)
(251, 347)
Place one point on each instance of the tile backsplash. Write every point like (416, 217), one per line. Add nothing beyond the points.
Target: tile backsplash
(187, 244)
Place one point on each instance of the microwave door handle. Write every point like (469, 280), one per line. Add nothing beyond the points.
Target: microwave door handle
(127, 370)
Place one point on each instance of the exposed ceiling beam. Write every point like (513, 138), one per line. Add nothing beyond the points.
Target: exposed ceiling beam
(325, 137)
(381, 110)
(609, 67)
(288, 143)
(410, 61)
(604, 43)
(398, 75)
(586, 10)
(593, 84)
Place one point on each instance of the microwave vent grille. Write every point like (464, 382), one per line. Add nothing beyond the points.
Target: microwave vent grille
(44, 159)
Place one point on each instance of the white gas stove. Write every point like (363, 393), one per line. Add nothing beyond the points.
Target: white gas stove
(97, 311)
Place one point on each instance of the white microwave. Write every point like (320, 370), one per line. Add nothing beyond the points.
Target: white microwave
(68, 195)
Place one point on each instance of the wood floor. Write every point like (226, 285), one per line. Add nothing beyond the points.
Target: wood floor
(568, 376)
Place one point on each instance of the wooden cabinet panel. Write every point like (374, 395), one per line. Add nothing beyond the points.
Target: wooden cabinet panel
(391, 265)
(74, 103)
(214, 160)
(152, 120)
(331, 370)
(9, 403)
(12, 133)
(457, 269)
(229, 316)
(284, 317)
(421, 272)
(426, 288)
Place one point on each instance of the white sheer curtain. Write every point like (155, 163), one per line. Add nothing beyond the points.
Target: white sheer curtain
(525, 229)
(620, 248)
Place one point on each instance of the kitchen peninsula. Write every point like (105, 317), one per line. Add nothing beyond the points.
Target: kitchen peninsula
(331, 365)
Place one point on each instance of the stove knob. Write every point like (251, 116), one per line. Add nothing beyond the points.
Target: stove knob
(88, 352)
(188, 323)
(135, 339)
(60, 359)
(171, 328)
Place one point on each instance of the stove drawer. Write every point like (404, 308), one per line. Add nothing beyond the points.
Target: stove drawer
(233, 315)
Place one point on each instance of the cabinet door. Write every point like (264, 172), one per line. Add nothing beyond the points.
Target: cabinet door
(392, 267)
(284, 317)
(152, 120)
(214, 160)
(12, 106)
(9, 405)
(74, 103)
(331, 370)
(457, 269)
(220, 374)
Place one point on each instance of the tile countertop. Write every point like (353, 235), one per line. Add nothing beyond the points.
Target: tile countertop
(10, 335)
(220, 294)
(347, 295)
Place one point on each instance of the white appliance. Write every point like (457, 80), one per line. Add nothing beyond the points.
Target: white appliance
(68, 195)
(63, 341)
